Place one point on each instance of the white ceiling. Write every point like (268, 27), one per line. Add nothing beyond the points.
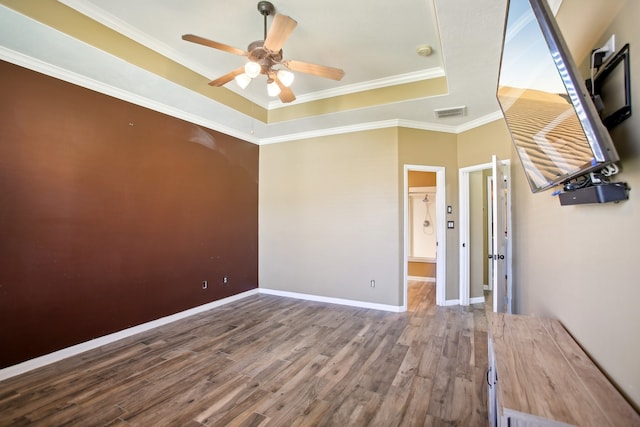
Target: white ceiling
(373, 41)
(360, 38)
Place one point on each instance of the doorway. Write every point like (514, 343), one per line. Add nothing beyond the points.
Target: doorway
(424, 258)
(422, 220)
(485, 207)
(475, 233)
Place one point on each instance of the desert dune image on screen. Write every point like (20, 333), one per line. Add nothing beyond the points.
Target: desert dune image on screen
(547, 133)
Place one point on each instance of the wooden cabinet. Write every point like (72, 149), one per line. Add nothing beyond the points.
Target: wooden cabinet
(491, 386)
(539, 376)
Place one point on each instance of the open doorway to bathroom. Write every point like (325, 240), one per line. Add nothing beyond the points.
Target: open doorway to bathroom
(424, 257)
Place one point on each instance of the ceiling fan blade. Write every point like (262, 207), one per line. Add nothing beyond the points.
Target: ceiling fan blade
(210, 43)
(316, 70)
(221, 81)
(286, 94)
(281, 28)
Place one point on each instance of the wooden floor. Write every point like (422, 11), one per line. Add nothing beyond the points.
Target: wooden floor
(275, 361)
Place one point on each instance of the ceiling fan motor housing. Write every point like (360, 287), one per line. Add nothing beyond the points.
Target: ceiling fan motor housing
(262, 56)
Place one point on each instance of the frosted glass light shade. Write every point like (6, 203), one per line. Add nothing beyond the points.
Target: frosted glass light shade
(273, 89)
(252, 69)
(243, 80)
(286, 77)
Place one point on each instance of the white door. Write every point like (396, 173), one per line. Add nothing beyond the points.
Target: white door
(501, 237)
(489, 208)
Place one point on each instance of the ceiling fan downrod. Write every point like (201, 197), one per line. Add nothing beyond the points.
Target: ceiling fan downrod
(265, 8)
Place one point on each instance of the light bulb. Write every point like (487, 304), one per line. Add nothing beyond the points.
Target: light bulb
(252, 69)
(243, 80)
(286, 77)
(273, 89)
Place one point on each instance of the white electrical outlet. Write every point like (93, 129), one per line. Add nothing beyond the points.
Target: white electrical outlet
(609, 48)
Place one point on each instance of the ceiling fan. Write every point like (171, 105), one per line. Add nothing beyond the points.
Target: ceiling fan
(265, 57)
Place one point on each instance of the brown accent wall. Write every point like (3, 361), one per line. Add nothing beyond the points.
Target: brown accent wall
(112, 215)
(421, 269)
(421, 179)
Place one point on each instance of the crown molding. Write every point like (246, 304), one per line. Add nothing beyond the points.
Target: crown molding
(95, 85)
(492, 117)
(383, 124)
(89, 83)
(120, 26)
(416, 76)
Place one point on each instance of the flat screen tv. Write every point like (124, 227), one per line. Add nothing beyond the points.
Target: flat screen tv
(554, 124)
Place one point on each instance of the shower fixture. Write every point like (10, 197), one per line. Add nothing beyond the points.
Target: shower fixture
(426, 224)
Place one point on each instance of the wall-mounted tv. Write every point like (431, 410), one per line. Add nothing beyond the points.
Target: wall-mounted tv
(554, 124)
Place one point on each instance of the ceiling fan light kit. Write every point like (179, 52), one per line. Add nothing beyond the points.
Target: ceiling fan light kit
(286, 77)
(252, 69)
(243, 80)
(265, 57)
(272, 88)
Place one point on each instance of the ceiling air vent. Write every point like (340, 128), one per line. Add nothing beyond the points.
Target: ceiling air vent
(442, 113)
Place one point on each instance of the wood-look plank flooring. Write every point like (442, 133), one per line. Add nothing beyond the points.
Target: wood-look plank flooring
(272, 361)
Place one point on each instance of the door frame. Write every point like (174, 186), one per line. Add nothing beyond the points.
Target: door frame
(441, 230)
(489, 207)
(463, 180)
(503, 265)
(465, 281)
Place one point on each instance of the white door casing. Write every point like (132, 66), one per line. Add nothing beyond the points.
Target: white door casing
(501, 236)
(465, 257)
(441, 217)
(499, 168)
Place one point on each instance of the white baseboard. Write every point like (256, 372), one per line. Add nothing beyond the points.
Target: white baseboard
(449, 302)
(331, 300)
(64, 353)
(422, 279)
(56, 356)
(476, 300)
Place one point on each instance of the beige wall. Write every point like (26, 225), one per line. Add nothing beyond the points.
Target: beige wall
(331, 209)
(329, 217)
(476, 146)
(580, 263)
